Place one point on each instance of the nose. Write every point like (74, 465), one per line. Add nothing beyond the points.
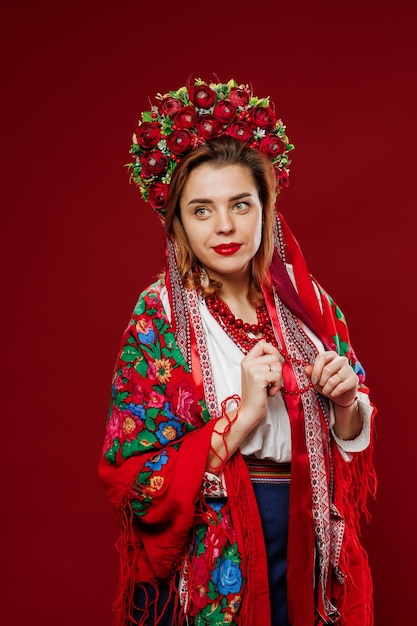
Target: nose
(224, 222)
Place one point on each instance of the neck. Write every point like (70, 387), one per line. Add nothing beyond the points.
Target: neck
(235, 295)
(233, 286)
(231, 291)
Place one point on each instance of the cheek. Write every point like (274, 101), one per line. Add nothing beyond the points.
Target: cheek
(257, 235)
(195, 236)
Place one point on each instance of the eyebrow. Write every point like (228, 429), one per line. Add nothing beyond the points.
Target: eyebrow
(209, 201)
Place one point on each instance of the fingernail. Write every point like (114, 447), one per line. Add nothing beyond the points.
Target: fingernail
(314, 380)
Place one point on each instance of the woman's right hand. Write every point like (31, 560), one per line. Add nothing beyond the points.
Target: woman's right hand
(261, 371)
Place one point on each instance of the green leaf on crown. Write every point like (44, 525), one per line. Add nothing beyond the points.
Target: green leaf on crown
(147, 116)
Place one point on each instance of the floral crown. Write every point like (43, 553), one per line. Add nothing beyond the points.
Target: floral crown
(187, 118)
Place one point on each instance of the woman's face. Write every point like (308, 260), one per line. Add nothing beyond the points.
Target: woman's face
(222, 217)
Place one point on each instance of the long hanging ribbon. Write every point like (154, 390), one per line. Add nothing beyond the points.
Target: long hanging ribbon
(301, 538)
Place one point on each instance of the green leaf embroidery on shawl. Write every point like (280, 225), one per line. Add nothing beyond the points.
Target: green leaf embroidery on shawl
(175, 354)
(143, 478)
(141, 367)
(140, 507)
(232, 554)
(200, 531)
(140, 307)
(150, 423)
(201, 548)
(213, 593)
(205, 415)
(339, 314)
(130, 354)
(342, 347)
(169, 339)
(160, 324)
(110, 455)
(120, 398)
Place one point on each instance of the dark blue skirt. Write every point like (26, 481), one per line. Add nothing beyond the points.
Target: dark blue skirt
(273, 506)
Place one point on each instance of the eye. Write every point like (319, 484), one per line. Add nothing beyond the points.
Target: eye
(241, 206)
(201, 211)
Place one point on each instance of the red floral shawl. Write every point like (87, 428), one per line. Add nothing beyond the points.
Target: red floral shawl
(153, 466)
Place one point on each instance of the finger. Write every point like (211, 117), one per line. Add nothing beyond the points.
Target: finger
(272, 361)
(264, 364)
(273, 389)
(333, 384)
(325, 366)
(261, 348)
(308, 370)
(316, 370)
(262, 368)
(264, 375)
(340, 382)
(346, 384)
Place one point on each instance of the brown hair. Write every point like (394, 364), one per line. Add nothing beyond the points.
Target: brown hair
(218, 152)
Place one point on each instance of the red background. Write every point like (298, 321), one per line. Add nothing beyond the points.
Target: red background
(79, 245)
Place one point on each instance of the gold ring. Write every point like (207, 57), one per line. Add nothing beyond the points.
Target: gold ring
(341, 379)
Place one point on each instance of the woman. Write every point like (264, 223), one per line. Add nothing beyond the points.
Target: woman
(237, 450)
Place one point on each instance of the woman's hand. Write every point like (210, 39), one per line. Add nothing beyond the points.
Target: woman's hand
(261, 371)
(333, 377)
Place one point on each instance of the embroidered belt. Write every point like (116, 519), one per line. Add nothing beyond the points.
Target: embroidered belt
(267, 471)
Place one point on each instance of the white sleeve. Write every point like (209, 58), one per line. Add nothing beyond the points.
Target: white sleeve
(361, 442)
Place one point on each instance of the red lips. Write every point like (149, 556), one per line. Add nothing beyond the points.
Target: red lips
(227, 249)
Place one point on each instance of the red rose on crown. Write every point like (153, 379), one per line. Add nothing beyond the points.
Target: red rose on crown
(186, 117)
(180, 141)
(153, 162)
(272, 146)
(224, 111)
(158, 195)
(202, 96)
(238, 97)
(148, 135)
(282, 178)
(262, 117)
(170, 106)
(240, 130)
(208, 127)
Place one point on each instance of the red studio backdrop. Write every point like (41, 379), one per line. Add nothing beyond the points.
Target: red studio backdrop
(78, 245)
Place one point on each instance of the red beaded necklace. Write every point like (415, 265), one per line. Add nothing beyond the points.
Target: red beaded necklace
(239, 330)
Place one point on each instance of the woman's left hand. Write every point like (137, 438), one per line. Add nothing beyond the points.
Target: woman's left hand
(333, 377)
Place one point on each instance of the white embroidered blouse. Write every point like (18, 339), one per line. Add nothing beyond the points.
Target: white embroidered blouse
(272, 438)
